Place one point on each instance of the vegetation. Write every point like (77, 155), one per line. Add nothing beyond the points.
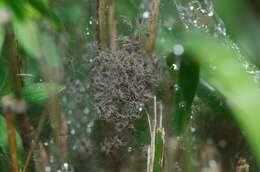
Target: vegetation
(129, 86)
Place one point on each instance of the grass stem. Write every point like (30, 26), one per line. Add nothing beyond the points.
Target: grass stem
(112, 25)
(101, 23)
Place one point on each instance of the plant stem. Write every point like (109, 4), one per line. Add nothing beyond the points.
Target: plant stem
(101, 23)
(16, 67)
(12, 140)
(150, 44)
(36, 140)
(156, 147)
(112, 25)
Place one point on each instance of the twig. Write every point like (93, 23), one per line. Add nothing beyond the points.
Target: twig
(150, 44)
(112, 25)
(101, 23)
(8, 104)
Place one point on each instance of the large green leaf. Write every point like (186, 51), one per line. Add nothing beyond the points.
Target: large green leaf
(27, 35)
(231, 79)
(17, 7)
(40, 92)
(213, 99)
(4, 146)
(187, 78)
(49, 52)
(44, 10)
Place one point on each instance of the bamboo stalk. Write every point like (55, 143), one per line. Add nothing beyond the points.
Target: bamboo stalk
(101, 23)
(150, 44)
(112, 25)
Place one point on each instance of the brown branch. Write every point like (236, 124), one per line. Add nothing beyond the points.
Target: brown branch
(112, 25)
(101, 23)
(8, 104)
(150, 44)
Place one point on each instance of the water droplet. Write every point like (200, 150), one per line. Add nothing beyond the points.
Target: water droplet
(174, 67)
(88, 33)
(176, 87)
(51, 159)
(72, 131)
(211, 13)
(86, 110)
(182, 104)
(51, 141)
(146, 14)
(47, 169)
(212, 163)
(66, 166)
(178, 49)
(90, 22)
(46, 143)
(193, 129)
(88, 130)
(74, 147)
(129, 149)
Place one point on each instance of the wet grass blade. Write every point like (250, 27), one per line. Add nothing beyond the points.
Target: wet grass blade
(187, 80)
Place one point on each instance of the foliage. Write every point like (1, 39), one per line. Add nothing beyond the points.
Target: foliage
(212, 69)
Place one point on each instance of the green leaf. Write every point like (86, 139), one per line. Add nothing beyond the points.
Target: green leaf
(4, 146)
(187, 81)
(231, 79)
(159, 149)
(49, 52)
(3, 163)
(40, 92)
(142, 131)
(213, 99)
(2, 36)
(45, 11)
(17, 7)
(27, 35)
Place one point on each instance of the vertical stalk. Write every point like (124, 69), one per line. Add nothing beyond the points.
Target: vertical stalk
(101, 23)
(150, 44)
(8, 105)
(36, 140)
(16, 67)
(12, 140)
(156, 147)
(112, 25)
